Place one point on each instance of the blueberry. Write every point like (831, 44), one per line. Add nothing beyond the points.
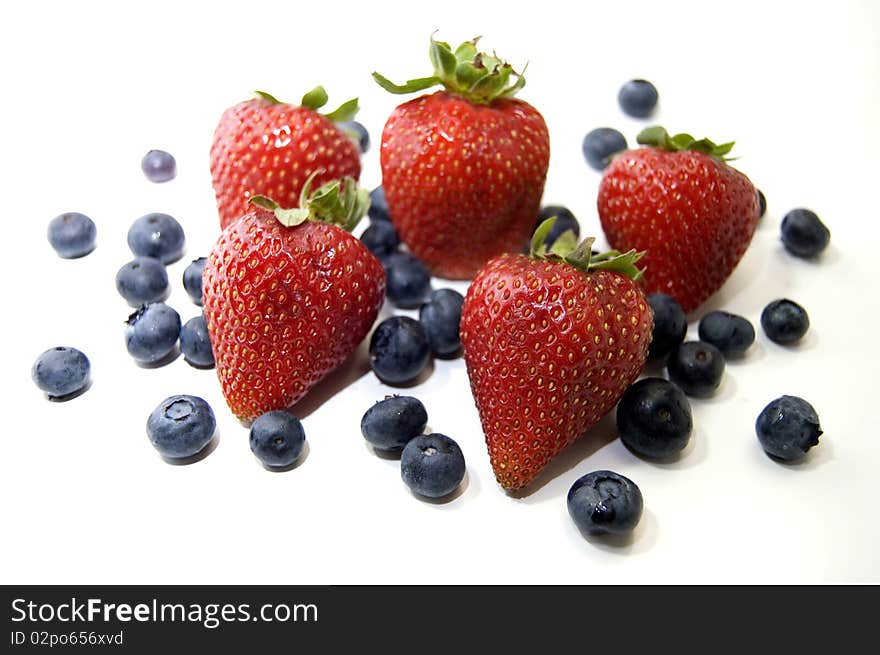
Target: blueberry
(762, 204)
(654, 418)
(784, 321)
(601, 144)
(696, 367)
(72, 235)
(181, 426)
(670, 324)
(803, 234)
(380, 238)
(407, 280)
(195, 344)
(432, 465)
(441, 316)
(604, 502)
(565, 221)
(157, 235)
(399, 350)
(391, 423)
(192, 279)
(730, 333)
(159, 166)
(358, 133)
(637, 98)
(378, 205)
(152, 332)
(61, 371)
(142, 280)
(277, 438)
(788, 427)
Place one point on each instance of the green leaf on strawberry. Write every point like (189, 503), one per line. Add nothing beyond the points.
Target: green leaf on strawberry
(658, 137)
(479, 77)
(340, 202)
(580, 255)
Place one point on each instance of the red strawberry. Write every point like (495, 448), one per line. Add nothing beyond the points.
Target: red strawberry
(681, 203)
(266, 147)
(551, 342)
(464, 168)
(289, 297)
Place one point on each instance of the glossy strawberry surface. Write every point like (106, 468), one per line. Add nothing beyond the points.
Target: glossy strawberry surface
(463, 180)
(270, 148)
(285, 306)
(549, 350)
(692, 213)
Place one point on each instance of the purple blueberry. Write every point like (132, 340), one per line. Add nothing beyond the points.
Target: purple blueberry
(159, 166)
(61, 372)
(72, 235)
(141, 281)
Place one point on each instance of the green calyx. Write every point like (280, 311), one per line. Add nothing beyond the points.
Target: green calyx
(340, 202)
(580, 255)
(658, 137)
(476, 76)
(317, 98)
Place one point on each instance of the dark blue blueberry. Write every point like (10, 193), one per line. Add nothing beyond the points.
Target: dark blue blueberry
(72, 235)
(784, 321)
(181, 426)
(157, 235)
(159, 166)
(601, 144)
(654, 418)
(380, 238)
(192, 279)
(378, 205)
(151, 333)
(730, 333)
(61, 371)
(565, 221)
(432, 465)
(441, 316)
(803, 234)
(195, 344)
(277, 438)
(696, 367)
(638, 98)
(670, 324)
(788, 427)
(358, 133)
(604, 502)
(762, 203)
(391, 423)
(142, 280)
(399, 350)
(407, 280)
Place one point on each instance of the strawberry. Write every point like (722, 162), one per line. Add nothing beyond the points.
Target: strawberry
(288, 296)
(266, 147)
(551, 342)
(679, 201)
(463, 168)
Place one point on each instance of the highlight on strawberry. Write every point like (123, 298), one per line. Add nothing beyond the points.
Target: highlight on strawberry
(463, 168)
(679, 200)
(288, 296)
(551, 341)
(263, 146)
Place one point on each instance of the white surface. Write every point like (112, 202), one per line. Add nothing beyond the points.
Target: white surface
(88, 89)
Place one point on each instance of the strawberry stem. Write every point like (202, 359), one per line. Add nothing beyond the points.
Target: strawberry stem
(580, 255)
(659, 138)
(340, 202)
(476, 76)
(314, 100)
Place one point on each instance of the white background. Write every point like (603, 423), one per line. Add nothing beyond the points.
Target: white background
(88, 88)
